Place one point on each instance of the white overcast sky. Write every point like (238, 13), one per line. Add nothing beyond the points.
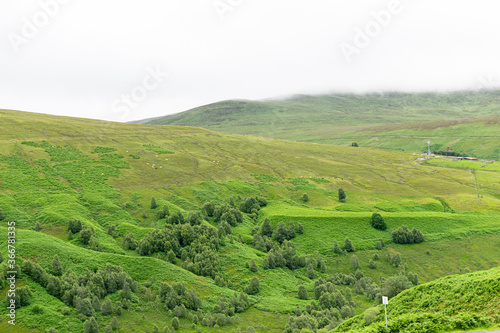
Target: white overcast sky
(86, 57)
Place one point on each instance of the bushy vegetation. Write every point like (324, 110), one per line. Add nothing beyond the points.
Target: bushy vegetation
(215, 230)
(403, 235)
(378, 222)
(450, 303)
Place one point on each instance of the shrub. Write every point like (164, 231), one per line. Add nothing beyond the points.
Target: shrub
(370, 315)
(348, 245)
(302, 293)
(153, 203)
(354, 263)
(336, 248)
(106, 308)
(378, 222)
(90, 326)
(342, 195)
(394, 285)
(175, 323)
(254, 286)
(252, 266)
(310, 271)
(403, 235)
(56, 266)
(129, 241)
(74, 226)
(305, 197)
(86, 233)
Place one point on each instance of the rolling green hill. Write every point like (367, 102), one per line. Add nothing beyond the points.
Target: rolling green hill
(104, 174)
(463, 121)
(454, 302)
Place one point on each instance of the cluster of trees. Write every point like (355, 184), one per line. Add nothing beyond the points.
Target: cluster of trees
(236, 304)
(87, 234)
(252, 205)
(22, 297)
(196, 245)
(262, 240)
(286, 256)
(193, 218)
(448, 153)
(254, 286)
(227, 213)
(74, 226)
(281, 233)
(283, 256)
(178, 298)
(232, 213)
(403, 235)
(84, 291)
(331, 307)
(348, 247)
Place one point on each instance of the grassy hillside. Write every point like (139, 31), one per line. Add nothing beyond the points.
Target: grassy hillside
(454, 302)
(396, 121)
(56, 169)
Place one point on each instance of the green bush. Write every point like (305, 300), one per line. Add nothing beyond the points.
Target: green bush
(377, 221)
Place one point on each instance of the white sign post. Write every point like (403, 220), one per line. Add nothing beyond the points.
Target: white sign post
(385, 301)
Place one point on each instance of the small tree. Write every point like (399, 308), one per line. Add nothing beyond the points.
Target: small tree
(413, 278)
(2, 215)
(112, 230)
(342, 195)
(291, 230)
(153, 204)
(354, 263)
(394, 285)
(378, 222)
(129, 241)
(310, 271)
(336, 248)
(300, 229)
(267, 229)
(252, 266)
(95, 304)
(106, 308)
(90, 326)
(86, 307)
(85, 235)
(305, 197)
(302, 294)
(74, 226)
(354, 144)
(56, 266)
(175, 323)
(348, 245)
(254, 286)
(281, 233)
(372, 264)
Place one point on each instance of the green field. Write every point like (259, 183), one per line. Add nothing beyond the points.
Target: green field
(56, 169)
(465, 121)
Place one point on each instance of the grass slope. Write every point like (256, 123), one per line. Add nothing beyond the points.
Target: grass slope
(53, 169)
(452, 302)
(399, 121)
